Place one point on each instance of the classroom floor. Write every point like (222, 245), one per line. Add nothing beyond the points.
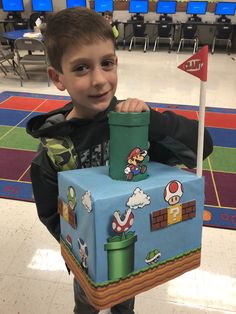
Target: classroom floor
(33, 278)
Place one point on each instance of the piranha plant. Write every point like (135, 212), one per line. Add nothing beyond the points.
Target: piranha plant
(121, 224)
(120, 248)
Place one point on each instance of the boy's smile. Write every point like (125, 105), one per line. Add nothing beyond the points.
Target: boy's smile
(90, 77)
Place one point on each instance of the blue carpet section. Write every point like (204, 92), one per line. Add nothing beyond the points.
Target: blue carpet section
(11, 117)
(221, 217)
(223, 137)
(10, 189)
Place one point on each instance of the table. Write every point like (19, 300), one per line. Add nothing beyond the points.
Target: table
(13, 35)
(5, 22)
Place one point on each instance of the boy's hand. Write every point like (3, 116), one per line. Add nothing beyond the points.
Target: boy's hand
(132, 105)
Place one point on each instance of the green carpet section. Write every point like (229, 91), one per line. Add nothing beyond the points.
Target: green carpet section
(223, 159)
(17, 138)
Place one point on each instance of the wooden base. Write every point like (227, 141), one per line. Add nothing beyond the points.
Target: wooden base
(107, 294)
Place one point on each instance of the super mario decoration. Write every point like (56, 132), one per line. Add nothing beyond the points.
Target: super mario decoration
(120, 248)
(121, 224)
(83, 252)
(114, 251)
(128, 145)
(153, 257)
(135, 163)
(176, 212)
(111, 247)
(67, 210)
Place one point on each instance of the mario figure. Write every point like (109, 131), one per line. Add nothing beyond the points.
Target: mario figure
(135, 160)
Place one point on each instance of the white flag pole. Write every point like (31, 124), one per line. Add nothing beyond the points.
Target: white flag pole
(202, 104)
(197, 66)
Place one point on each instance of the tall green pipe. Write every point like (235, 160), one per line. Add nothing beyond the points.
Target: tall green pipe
(128, 145)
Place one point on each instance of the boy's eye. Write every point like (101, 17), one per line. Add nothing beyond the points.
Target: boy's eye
(108, 64)
(81, 69)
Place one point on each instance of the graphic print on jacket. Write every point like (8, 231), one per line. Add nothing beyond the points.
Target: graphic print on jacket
(64, 156)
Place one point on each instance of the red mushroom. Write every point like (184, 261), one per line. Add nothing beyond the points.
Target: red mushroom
(173, 192)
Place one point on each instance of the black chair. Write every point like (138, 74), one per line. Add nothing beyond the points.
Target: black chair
(165, 33)
(139, 35)
(223, 33)
(188, 34)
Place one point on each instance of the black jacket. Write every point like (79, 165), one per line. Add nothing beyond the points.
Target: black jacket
(79, 143)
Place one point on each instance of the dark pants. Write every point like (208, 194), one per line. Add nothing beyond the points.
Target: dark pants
(82, 305)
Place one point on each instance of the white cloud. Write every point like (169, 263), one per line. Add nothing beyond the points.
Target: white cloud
(87, 201)
(138, 200)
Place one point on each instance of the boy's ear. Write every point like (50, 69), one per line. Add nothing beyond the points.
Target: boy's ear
(56, 78)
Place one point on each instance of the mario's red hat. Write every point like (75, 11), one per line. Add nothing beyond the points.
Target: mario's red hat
(136, 151)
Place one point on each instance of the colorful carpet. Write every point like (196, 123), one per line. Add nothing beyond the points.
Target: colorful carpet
(17, 149)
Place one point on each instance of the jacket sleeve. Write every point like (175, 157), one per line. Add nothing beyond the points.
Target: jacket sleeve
(45, 190)
(173, 139)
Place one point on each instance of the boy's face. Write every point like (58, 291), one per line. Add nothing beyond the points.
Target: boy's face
(89, 75)
(108, 17)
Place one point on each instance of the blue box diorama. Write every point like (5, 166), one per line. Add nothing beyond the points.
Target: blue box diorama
(125, 232)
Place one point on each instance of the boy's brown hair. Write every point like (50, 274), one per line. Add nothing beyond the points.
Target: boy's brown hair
(71, 27)
(108, 13)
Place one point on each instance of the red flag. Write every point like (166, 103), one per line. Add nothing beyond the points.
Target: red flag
(197, 64)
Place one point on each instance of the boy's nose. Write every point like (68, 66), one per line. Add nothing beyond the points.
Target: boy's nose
(98, 77)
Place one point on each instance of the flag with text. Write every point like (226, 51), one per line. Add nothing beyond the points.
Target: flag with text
(197, 64)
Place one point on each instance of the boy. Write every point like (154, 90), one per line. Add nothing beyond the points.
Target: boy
(109, 17)
(80, 46)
